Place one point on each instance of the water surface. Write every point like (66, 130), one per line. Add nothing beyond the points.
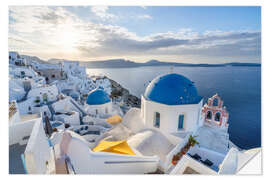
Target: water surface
(239, 87)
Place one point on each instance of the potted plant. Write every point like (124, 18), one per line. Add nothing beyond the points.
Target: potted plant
(175, 159)
(191, 142)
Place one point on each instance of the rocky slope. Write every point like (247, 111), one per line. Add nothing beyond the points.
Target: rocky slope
(121, 95)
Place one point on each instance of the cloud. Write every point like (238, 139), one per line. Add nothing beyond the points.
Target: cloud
(56, 32)
(116, 41)
(102, 12)
(145, 16)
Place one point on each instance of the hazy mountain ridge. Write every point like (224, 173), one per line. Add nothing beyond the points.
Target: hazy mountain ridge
(123, 63)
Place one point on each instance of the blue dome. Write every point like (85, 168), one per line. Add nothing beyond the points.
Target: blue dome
(97, 97)
(172, 89)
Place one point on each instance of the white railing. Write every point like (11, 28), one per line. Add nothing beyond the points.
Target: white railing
(197, 166)
(167, 164)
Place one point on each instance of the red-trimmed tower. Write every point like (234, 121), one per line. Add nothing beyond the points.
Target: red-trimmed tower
(214, 113)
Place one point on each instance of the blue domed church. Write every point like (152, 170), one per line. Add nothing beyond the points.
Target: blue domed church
(171, 104)
(98, 102)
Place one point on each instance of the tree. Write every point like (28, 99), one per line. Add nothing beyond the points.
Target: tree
(192, 141)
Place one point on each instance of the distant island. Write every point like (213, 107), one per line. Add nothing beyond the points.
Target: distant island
(123, 63)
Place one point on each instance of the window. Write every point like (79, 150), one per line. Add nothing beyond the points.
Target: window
(215, 102)
(209, 115)
(22, 74)
(180, 121)
(217, 117)
(45, 97)
(157, 120)
(96, 111)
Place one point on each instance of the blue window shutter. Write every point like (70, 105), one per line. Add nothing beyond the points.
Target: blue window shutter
(181, 121)
(157, 120)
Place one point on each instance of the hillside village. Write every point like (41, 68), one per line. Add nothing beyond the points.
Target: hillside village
(62, 121)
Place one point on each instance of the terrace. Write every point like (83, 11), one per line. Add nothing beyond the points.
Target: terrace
(207, 157)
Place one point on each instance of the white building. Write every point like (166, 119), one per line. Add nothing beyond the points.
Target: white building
(150, 137)
(20, 126)
(21, 72)
(71, 118)
(171, 104)
(16, 59)
(44, 93)
(98, 103)
(73, 68)
(16, 89)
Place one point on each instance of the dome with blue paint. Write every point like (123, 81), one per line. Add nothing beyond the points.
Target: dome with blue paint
(98, 97)
(172, 89)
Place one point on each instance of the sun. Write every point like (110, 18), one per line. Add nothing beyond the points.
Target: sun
(67, 37)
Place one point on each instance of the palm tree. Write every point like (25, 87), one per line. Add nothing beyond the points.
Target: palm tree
(192, 141)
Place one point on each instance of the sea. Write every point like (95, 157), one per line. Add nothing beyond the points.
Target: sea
(238, 86)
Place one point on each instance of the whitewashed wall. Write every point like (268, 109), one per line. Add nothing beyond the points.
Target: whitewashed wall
(37, 151)
(28, 72)
(85, 161)
(73, 119)
(51, 91)
(23, 106)
(168, 161)
(169, 115)
(17, 131)
(213, 156)
(187, 161)
(133, 120)
(15, 118)
(91, 109)
(64, 105)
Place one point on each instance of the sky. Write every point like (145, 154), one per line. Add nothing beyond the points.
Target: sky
(138, 33)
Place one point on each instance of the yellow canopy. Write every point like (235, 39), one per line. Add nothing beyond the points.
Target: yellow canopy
(114, 119)
(119, 147)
